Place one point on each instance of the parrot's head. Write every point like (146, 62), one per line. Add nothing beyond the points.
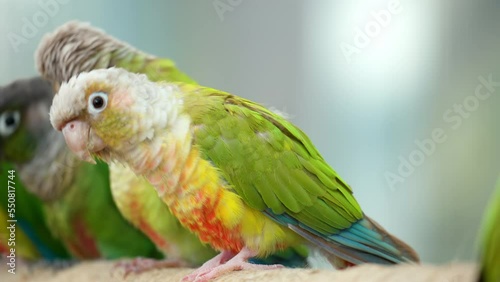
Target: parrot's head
(24, 121)
(109, 113)
(75, 47)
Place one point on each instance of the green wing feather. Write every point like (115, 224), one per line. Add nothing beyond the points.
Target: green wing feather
(270, 162)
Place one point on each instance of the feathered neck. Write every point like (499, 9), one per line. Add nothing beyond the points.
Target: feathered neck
(160, 127)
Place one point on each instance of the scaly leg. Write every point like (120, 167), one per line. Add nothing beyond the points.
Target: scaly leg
(214, 262)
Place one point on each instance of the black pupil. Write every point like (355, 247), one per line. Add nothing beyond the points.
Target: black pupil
(10, 120)
(98, 102)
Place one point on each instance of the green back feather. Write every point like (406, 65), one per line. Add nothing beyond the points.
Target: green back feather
(157, 69)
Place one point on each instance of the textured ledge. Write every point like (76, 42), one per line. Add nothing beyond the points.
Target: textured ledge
(103, 271)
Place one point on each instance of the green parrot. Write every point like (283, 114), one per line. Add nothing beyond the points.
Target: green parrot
(241, 177)
(490, 252)
(76, 47)
(33, 239)
(77, 204)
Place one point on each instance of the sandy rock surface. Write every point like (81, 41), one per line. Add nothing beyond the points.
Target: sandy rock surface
(98, 271)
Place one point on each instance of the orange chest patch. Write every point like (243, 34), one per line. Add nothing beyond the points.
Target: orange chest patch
(204, 222)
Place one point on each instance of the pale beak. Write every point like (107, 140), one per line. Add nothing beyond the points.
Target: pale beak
(81, 141)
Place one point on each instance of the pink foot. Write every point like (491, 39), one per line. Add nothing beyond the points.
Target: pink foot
(139, 265)
(219, 259)
(238, 262)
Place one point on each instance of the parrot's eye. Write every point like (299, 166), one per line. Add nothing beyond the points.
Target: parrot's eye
(97, 102)
(9, 122)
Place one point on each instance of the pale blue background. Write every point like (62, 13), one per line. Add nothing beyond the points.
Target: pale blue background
(362, 116)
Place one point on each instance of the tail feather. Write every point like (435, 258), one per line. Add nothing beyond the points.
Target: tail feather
(373, 237)
(407, 252)
(365, 241)
(359, 243)
(338, 249)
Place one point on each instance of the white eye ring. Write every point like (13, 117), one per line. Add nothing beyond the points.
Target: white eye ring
(9, 122)
(97, 102)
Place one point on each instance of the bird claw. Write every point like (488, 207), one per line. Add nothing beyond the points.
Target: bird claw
(233, 266)
(220, 265)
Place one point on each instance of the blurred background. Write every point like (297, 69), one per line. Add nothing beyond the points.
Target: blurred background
(368, 82)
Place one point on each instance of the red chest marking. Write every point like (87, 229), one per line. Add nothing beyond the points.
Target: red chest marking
(84, 245)
(204, 222)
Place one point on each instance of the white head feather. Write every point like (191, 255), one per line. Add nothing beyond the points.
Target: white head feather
(149, 107)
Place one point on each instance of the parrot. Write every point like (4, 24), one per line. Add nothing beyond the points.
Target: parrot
(241, 177)
(75, 197)
(490, 251)
(33, 240)
(76, 47)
